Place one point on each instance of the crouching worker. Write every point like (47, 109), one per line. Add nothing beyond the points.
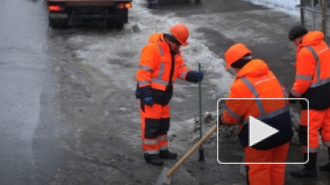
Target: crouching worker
(255, 82)
(161, 63)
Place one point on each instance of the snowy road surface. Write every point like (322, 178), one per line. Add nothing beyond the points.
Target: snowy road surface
(97, 116)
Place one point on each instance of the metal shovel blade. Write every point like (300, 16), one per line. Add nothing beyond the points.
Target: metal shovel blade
(163, 179)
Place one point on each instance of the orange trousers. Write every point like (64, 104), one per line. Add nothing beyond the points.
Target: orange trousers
(266, 174)
(155, 123)
(319, 123)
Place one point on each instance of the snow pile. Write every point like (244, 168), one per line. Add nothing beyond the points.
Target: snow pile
(131, 40)
(194, 53)
(289, 6)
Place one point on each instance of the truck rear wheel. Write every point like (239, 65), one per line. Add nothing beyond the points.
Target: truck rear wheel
(111, 24)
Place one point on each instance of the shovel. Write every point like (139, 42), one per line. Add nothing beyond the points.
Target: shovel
(164, 177)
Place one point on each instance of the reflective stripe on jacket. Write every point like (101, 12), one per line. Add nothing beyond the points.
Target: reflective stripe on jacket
(263, 100)
(312, 79)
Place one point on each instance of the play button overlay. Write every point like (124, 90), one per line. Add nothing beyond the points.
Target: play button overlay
(259, 131)
(255, 133)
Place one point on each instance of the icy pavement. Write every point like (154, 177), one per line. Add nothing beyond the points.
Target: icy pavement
(100, 122)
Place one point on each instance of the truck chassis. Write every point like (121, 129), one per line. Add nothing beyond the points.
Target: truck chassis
(114, 12)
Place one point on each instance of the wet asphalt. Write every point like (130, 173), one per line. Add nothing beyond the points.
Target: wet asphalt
(28, 139)
(30, 152)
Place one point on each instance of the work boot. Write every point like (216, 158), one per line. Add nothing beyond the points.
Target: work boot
(165, 154)
(153, 159)
(310, 168)
(326, 166)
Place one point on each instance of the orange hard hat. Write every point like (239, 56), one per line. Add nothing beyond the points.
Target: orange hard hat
(235, 52)
(181, 33)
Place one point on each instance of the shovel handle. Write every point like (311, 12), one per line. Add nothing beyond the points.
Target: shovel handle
(200, 104)
(191, 151)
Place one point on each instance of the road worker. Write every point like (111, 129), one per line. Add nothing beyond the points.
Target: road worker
(312, 81)
(256, 92)
(161, 63)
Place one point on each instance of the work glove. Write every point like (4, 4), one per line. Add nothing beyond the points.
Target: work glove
(199, 75)
(291, 100)
(148, 101)
(194, 76)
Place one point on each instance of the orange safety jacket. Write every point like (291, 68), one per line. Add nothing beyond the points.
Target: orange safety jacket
(256, 92)
(312, 79)
(158, 70)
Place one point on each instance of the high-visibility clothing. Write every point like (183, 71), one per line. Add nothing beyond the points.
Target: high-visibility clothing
(319, 123)
(157, 64)
(312, 82)
(266, 174)
(312, 79)
(158, 70)
(257, 82)
(263, 100)
(155, 123)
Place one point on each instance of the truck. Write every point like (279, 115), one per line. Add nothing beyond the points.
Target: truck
(62, 12)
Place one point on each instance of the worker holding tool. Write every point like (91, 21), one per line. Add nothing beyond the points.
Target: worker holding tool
(312, 81)
(264, 101)
(161, 63)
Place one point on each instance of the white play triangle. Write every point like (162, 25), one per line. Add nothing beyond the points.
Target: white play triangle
(259, 131)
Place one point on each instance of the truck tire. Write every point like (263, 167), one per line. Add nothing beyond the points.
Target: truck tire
(58, 23)
(120, 25)
(111, 24)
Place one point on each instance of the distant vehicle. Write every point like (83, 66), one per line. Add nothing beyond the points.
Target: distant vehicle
(153, 4)
(114, 12)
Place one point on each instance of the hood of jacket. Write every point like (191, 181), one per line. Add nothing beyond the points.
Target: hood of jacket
(254, 68)
(311, 38)
(159, 39)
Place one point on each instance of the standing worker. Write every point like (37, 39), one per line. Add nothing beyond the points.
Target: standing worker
(255, 83)
(161, 63)
(312, 82)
